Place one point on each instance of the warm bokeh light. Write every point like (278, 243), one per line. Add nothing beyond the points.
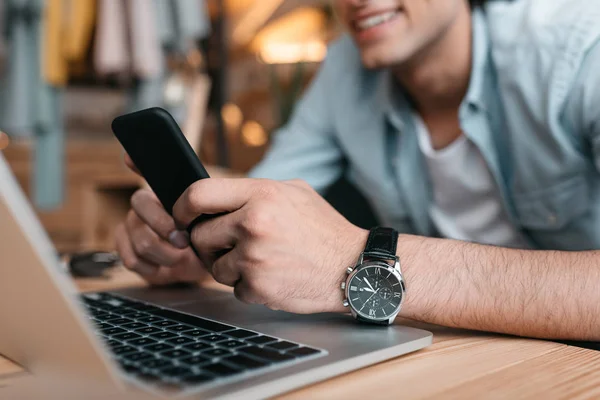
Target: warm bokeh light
(253, 134)
(232, 116)
(288, 53)
(174, 91)
(253, 19)
(295, 37)
(4, 140)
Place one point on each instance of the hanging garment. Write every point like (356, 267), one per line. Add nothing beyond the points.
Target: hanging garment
(182, 23)
(111, 50)
(68, 26)
(146, 49)
(21, 74)
(2, 36)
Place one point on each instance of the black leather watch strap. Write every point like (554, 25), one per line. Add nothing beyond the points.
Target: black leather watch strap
(382, 243)
(371, 322)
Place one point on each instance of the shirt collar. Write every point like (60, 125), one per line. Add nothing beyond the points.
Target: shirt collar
(395, 102)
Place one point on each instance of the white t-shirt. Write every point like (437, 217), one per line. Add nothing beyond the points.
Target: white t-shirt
(466, 202)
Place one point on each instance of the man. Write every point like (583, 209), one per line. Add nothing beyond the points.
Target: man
(474, 132)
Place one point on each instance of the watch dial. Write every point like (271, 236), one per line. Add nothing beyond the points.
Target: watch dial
(374, 292)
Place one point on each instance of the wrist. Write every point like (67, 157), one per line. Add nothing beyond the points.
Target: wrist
(349, 254)
(407, 250)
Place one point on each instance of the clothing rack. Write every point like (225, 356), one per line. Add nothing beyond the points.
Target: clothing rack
(44, 43)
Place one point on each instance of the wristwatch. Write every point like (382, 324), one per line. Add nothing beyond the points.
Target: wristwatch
(374, 288)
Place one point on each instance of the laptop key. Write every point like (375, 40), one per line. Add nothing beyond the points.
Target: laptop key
(232, 344)
(180, 340)
(162, 335)
(121, 321)
(197, 378)
(192, 320)
(134, 314)
(158, 347)
(149, 377)
(213, 338)
(143, 307)
(220, 369)
(176, 371)
(130, 368)
(241, 334)
(142, 342)
(243, 362)
(177, 353)
(148, 330)
(196, 333)
(123, 350)
(261, 339)
(113, 331)
(127, 336)
(112, 317)
(283, 345)
(164, 323)
(102, 316)
(114, 343)
(180, 328)
(139, 356)
(266, 354)
(157, 363)
(150, 319)
(302, 352)
(198, 346)
(216, 353)
(134, 325)
(103, 326)
(195, 360)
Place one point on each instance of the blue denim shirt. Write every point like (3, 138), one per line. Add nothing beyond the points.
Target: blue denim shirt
(532, 109)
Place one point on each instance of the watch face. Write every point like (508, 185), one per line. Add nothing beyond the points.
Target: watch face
(375, 293)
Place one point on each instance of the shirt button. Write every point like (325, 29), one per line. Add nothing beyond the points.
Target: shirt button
(552, 219)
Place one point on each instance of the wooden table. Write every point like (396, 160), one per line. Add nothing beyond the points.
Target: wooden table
(459, 365)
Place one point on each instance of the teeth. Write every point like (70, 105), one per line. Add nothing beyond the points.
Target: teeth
(375, 20)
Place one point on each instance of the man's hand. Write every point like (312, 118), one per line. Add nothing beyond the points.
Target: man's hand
(281, 244)
(150, 244)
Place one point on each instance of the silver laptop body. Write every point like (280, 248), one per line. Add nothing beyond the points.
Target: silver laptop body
(45, 328)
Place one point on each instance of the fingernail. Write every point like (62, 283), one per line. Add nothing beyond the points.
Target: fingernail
(179, 239)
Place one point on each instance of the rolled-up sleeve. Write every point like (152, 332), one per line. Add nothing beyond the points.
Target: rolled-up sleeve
(306, 148)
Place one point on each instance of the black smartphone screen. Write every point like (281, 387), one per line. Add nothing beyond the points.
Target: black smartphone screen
(160, 151)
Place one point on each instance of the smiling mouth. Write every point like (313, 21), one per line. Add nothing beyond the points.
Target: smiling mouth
(375, 20)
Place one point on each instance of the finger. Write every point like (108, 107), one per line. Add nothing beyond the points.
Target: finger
(299, 183)
(131, 165)
(151, 273)
(215, 235)
(245, 293)
(148, 245)
(225, 269)
(128, 256)
(150, 210)
(214, 196)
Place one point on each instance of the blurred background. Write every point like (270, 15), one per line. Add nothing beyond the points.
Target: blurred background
(230, 71)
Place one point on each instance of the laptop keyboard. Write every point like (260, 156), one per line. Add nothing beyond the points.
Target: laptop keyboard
(166, 347)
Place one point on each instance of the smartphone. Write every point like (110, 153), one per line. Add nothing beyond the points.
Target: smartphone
(161, 153)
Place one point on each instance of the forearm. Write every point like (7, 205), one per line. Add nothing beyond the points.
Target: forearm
(545, 294)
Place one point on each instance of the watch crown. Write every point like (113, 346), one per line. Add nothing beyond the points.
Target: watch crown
(345, 303)
(343, 285)
(349, 270)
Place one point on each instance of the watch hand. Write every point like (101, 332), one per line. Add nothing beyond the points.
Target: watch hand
(367, 290)
(368, 283)
(370, 297)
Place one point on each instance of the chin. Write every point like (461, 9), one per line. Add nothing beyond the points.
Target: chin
(380, 61)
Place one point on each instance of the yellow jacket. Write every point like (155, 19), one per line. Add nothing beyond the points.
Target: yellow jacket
(68, 26)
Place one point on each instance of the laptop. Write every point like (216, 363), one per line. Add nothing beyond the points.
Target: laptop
(188, 343)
